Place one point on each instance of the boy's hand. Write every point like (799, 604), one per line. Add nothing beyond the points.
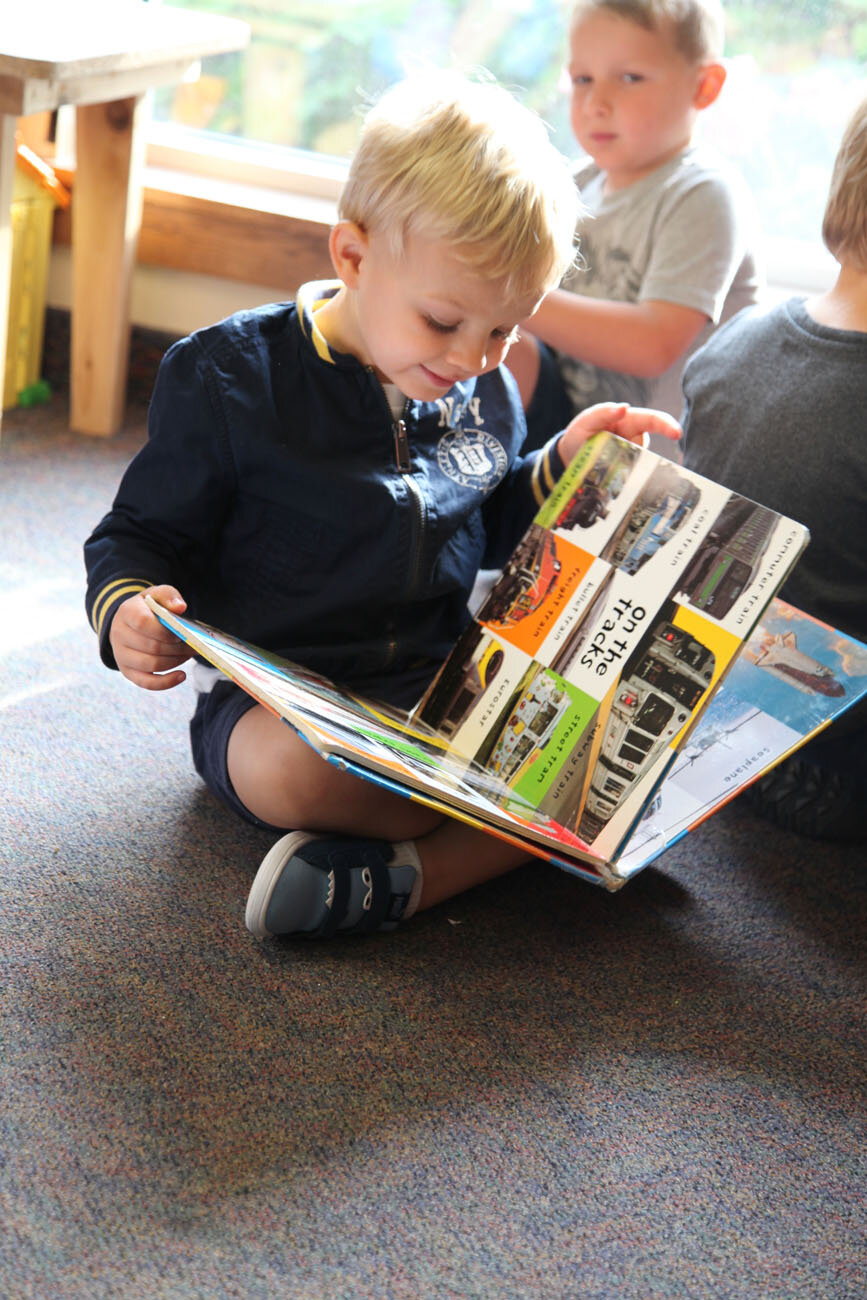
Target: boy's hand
(633, 423)
(144, 649)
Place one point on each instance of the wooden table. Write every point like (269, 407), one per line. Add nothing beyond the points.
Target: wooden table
(102, 56)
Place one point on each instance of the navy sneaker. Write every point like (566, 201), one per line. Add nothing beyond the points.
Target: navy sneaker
(317, 886)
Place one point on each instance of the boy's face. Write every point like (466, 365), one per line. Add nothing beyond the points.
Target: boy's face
(634, 96)
(426, 320)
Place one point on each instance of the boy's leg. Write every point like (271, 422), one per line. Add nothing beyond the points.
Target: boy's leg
(317, 885)
(406, 855)
(284, 782)
(821, 790)
(456, 857)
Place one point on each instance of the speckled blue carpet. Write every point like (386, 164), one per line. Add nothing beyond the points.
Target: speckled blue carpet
(538, 1090)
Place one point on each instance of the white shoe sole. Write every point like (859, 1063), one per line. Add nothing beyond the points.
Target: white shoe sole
(269, 873)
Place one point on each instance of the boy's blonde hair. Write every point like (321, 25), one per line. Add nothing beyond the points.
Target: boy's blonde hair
(697, 26)
(844, 227)
(459, 160)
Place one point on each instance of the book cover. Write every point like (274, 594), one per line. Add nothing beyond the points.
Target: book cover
(615, 684)
(792, 678)
(608, 631)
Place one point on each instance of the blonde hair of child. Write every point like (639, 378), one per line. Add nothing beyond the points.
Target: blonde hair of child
(460, 160)
(844, 227)
(697, 26)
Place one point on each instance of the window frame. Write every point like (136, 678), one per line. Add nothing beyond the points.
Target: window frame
(256, 196)
(265, 171)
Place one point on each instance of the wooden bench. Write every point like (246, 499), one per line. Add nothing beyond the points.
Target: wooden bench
(102, 56)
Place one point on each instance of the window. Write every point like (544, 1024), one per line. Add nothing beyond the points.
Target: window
(290, 103)
(300, 82)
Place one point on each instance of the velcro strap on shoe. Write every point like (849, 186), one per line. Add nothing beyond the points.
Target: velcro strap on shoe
(339, 901)
(378, 898)
(344, 859)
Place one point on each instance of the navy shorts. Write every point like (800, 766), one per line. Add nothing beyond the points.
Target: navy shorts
(211, 725)
(550, 409)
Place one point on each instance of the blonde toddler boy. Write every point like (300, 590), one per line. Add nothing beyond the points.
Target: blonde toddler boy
(325, 477)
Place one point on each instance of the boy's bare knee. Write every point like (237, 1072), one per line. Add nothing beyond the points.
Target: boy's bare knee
(274, 772)
(283, 781)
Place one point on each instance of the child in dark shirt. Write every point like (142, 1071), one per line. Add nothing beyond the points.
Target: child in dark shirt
(775, 408)
(325, 479)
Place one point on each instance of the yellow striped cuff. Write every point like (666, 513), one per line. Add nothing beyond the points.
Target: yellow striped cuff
(111, 594)
(543, 479)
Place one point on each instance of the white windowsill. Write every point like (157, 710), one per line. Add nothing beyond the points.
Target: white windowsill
(245, 163)
(173, 302)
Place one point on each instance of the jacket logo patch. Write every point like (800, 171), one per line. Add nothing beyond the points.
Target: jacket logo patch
(472, 458)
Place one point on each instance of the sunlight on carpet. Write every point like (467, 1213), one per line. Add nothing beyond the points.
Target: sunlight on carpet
(38, 612)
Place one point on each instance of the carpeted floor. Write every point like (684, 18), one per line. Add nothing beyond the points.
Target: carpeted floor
(538, 1090)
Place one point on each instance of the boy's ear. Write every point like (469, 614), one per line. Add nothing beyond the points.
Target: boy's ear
(347, 245)
(710, 82)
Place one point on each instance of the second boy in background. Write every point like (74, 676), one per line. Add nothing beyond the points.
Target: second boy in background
(667, 242)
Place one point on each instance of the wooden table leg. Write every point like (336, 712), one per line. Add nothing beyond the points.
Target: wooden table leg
(106, 217)
(7, 178)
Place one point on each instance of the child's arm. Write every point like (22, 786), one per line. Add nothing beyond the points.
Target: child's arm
(704, 227)
(145, 650)
(629, 422)
(635, 338)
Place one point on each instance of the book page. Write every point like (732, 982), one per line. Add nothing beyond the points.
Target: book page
(794, 676)
(565, 701)
(606, 634)
(383, 743)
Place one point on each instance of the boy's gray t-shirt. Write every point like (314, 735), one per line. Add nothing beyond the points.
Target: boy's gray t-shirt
(685, 234)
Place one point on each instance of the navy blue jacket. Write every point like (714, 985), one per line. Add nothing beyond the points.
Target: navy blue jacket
(279, 495)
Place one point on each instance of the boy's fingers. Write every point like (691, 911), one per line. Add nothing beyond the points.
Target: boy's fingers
(168, 596)
(601, 412)
(136, 616)
(642, 419)
(153, 681)
(152, 656)
(139, 636)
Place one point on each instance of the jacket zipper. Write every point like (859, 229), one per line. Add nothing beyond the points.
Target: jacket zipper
(403, 464)
(401, 447)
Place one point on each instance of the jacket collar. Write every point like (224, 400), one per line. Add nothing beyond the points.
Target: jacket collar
(310, 296)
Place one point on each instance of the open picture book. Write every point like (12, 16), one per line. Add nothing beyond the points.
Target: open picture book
(628, 672)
